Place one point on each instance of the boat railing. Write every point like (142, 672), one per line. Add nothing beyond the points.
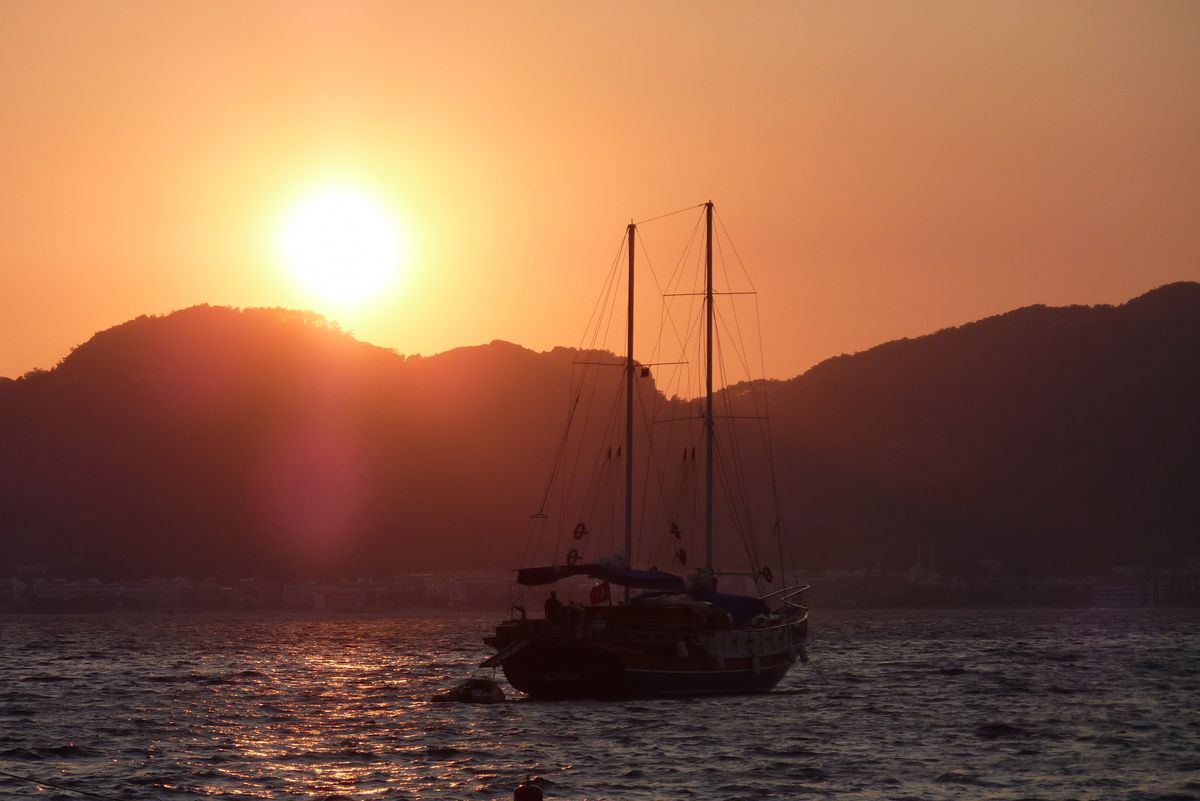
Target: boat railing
(587, 628)
(787, 594)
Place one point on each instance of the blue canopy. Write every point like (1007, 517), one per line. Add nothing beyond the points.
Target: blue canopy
(621, 576)
(742, 608)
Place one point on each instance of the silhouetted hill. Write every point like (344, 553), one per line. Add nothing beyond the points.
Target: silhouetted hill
(226, 442)
(1049, 438)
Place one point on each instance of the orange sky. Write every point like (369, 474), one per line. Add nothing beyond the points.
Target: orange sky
(886, 168)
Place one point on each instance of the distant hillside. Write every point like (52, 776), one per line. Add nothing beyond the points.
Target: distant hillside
(222, 442)
(1049, 438)
(219, 442)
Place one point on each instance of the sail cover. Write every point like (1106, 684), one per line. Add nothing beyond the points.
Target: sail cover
(742, 608)
(621, 576)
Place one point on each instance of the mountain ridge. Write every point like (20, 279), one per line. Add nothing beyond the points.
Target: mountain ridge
(216, 441)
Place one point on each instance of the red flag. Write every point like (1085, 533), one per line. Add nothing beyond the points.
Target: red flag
(599, 594)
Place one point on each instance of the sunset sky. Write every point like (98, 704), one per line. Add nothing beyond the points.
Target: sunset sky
(885, 169)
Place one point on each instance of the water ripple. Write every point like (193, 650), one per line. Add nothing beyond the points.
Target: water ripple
(931, 705)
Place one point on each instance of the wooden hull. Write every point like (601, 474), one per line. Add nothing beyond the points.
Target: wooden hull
(641, 659)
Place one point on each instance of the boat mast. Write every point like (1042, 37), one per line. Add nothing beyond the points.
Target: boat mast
(708, 392)
(629, 413)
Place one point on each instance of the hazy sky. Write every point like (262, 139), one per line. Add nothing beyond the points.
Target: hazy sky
(885, 169)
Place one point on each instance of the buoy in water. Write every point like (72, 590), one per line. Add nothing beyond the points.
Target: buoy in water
(473, 691)
(527, 791)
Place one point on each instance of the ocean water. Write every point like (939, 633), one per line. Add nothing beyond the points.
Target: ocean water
(992, 704)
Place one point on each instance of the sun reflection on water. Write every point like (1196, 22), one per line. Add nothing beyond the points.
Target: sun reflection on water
(309, 708)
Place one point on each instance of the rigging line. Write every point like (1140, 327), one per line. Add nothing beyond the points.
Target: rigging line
(690, 270)
(610, 315)
(737, 491)
(603, 487)
(756, 387)
(737, 255)
(699, 284)
(715, 293)
(731, 464)
(641, 242)
(695, 246)
(607, 467)
(666, 309)
(677, 272)
(737, 323)
(736, 510)
(568, 476)
(667, 500)
(602, 466)
(610, 282)
(670, 497)
(52, 786)
(539, 526)
(592, 378)
(820, 672)
(677, 378)
(669, 214)
(673, 501)
(604, 312)
(768, 439)
(571, 477)
(685, 514)
(534, 532)
(558, 454)
(602, 308)
(605, 292)
(663, 310)
(762, 353)
(694, 333)
(736, 330)
(720, 458)
(663, 289)
(562, 473)
(654, 463)
(674, 498)
(667, 506)
(740, 348)
(740, 353)
(730, 432)
(652, 467)
(600, 515)
(533, 541)
(607, 314)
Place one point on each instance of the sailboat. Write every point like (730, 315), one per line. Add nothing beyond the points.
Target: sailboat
(679, 635)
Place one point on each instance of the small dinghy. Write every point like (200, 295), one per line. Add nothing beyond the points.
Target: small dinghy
(473, 691)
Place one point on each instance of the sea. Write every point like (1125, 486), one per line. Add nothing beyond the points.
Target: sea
(897, 704)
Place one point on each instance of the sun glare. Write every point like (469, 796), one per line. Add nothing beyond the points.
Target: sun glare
(342, 246)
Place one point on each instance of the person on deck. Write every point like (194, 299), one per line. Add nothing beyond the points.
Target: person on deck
(553, 608)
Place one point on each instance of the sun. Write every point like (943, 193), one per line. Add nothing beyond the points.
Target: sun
(342, 246)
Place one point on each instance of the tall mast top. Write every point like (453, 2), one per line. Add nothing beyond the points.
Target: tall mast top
(709, 439)
(629, 412)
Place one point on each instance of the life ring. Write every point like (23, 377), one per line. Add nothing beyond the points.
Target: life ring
(572, 557)
(580, 531)
(767, 575)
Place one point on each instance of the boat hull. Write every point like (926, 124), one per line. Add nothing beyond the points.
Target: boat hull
(546, 664)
